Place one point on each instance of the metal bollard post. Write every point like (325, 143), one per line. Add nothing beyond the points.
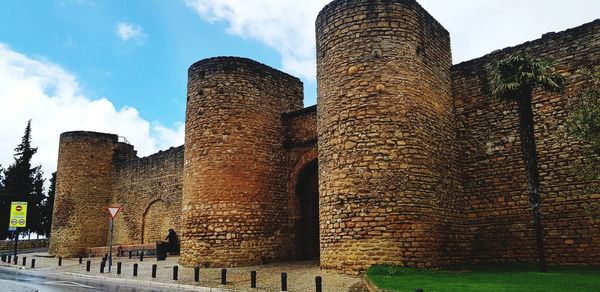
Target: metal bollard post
(142, 256)
(102, 264)
(3, 257)
(223, 276)
(135, 266)
(284, 281)
(16, 259)
(175, 271)
(197, 274)
(253, 279)
(33, 263)
(154, 271)
(88, 266)
(80, 259)
(119, 268)
(9, 259)
(24, 260)
(129, 254)
(59, 261)
(319, 284)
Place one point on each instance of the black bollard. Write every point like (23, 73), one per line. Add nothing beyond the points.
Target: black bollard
(118, 268)
(8, 259)
(129, 254)
(24, 260)
(33, 263)
(135, 270)
(175, 271)
(154, 271)
(319, 284)
(253, 279)
(197, 274)
(59, 261)
(80, 259)
(223, 276)
(102, 264)
(16, 259)
(3, 258)
(142, 256)
(88, 266)
(284, 281)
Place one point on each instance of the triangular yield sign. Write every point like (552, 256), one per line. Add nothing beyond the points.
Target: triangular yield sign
(112, 211)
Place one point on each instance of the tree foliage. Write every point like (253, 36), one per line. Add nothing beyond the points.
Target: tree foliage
(22, 182)
(518, 75)
(584, 123)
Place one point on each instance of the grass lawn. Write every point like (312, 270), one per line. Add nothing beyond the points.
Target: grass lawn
(500, 277)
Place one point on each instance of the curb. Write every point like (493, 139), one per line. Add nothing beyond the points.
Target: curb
(157, 284)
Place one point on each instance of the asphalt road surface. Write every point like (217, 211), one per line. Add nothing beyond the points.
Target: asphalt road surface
(13, 281)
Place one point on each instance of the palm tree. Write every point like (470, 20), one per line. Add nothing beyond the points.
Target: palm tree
(514, 79)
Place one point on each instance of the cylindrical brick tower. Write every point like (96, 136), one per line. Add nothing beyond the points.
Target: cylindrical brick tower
(234, 185)
(388, 184)
(83, 189)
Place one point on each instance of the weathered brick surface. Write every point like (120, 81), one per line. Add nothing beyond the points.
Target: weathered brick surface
(418, 166)
(389, 186)
(495, 184)
(9, 245)
(83, 186)
(94, 171)
(149, 191)
(301, 146)
(234, 185)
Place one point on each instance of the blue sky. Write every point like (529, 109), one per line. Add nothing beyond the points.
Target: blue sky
(120, 66)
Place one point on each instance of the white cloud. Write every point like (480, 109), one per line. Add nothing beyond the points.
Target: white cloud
(128, 31)
(287, 26)
(52, 98)
(476, 27)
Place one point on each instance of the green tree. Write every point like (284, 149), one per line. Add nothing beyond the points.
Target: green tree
(48, 207)
(23, 183)
(584, 123)
(514, 80)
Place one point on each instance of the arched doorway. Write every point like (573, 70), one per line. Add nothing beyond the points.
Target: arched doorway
(156, 222)
(307, 228)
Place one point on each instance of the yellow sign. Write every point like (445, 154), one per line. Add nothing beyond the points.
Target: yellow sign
(18, 214)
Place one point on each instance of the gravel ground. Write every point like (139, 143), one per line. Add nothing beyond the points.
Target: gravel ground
(300, 275)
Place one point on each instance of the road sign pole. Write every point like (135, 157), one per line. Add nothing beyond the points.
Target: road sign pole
(16, 241)
(112, 224)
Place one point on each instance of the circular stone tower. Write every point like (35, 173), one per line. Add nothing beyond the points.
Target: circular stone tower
(387, 180)
(234, 185)
(84, 179)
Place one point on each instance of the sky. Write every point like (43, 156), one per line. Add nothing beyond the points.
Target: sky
(121, 66)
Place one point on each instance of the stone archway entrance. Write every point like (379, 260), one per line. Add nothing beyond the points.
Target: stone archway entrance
(156, 222)
(307, 228)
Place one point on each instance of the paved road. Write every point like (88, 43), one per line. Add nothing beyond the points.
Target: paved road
(13, 281)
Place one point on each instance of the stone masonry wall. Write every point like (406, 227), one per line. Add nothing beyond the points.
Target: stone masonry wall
(301, 145)
(9, 245)
(494, 179)
(83, 189)
(389, 182)
(149, 191)
(235, 183)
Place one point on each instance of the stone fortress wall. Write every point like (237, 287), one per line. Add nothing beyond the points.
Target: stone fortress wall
(494, 180)
(405, 160)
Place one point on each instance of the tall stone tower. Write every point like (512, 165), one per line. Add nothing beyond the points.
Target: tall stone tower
(234, 185)
(83, 189)
(387, 181)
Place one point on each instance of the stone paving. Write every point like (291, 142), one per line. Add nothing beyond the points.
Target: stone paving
(300, 275)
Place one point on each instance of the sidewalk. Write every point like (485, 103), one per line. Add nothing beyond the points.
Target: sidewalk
(300, 275)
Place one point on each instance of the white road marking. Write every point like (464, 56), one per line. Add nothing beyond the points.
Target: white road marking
(67, 283)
